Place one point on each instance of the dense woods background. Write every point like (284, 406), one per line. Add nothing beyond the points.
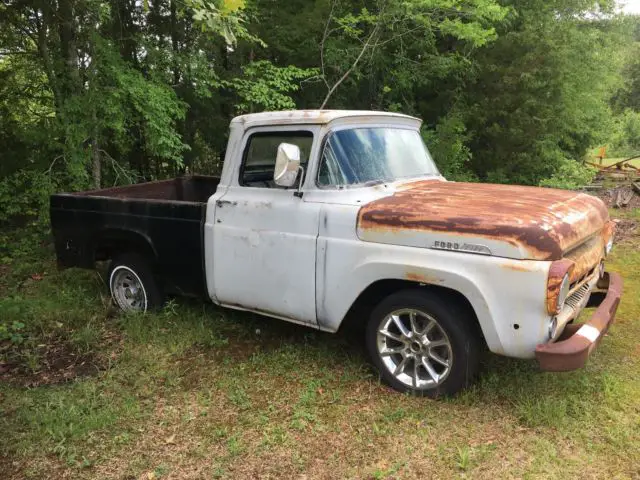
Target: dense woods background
(105, 92)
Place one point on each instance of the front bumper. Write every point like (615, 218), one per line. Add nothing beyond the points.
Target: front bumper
(577, 341)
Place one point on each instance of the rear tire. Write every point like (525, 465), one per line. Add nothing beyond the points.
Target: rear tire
(423, 344)
(132, 284)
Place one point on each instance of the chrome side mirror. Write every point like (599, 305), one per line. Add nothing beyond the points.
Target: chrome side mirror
(287, 165)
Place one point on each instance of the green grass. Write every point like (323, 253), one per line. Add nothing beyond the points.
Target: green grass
(199, 392)
(630, 214)
(610, 161)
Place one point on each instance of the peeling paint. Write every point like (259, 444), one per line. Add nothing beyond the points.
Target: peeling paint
(516, 266)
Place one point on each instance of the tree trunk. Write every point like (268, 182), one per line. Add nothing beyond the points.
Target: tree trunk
(123, 29)
(174, 44)
(43, 50)
(68, 48)
(96, 166)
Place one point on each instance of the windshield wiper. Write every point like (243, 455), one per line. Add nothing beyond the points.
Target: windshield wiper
(371, 183)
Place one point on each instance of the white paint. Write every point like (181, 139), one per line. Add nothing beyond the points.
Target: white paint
(314, 117)
(499, 295)
(589, 332)
(265, 253)
(300, 259)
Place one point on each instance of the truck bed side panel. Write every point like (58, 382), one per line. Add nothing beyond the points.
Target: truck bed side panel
(169, 232)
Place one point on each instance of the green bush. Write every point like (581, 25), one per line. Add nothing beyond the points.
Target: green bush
(570, 175)
(447, 144)
(626, 137)
(24, 197)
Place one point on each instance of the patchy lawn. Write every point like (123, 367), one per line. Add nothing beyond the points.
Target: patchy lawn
(200, 392)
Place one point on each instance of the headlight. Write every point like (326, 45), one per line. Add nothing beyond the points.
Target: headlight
(563, 293)
(553, 324)
(608, 246)
(601, 270)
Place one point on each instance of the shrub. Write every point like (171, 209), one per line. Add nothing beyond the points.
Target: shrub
(24, 197)
(570, 175)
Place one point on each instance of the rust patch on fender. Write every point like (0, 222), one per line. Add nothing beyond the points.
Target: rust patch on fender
(588, 255)
(544, 222)
(608, 231)
(422, 278)
(516, 266)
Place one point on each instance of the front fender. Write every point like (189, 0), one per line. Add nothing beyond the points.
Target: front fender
(381, 269)
(508, 296)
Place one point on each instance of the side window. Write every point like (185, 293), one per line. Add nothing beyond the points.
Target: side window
(259, 158)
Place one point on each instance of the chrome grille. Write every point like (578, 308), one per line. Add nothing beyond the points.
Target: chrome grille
(576, 298)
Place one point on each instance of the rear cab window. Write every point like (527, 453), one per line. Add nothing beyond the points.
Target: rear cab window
(259, 156)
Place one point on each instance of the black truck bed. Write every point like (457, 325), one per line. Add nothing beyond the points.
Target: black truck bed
(161, 220)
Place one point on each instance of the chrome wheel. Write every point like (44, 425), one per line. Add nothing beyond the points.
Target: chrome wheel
(414, 348)
(127, 290)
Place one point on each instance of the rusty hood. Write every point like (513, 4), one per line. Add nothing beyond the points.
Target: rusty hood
(509, 221)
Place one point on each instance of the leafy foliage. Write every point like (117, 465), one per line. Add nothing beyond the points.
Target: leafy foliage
(570, 175)
(625, 140)
(264, 86)
(24, 196)
(447, 143)
(101, 92)
(541, 93)
(11, 331)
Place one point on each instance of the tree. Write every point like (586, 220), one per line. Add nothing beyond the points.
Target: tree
(97, 92)
(539, 95)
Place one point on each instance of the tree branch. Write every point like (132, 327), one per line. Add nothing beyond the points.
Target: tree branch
(353, 65)
(325, 35)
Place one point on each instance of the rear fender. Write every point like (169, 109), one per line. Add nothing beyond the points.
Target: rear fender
(111, 241)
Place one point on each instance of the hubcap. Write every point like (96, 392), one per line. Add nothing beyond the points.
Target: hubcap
(127, 290)
(414, 348)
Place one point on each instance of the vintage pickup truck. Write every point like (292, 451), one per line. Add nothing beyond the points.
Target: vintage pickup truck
(320, 216)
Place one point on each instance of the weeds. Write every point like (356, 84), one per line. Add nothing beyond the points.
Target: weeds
(290, 401)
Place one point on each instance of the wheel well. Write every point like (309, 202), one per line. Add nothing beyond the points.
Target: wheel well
(113, 243)
(374, 293)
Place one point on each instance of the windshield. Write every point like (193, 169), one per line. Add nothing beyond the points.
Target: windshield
(373, 155)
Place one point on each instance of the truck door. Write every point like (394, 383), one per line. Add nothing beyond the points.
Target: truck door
(264, 237)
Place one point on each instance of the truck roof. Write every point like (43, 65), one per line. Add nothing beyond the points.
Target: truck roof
(311, 116)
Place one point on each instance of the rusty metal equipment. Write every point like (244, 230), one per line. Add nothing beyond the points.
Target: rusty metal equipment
(622, 169)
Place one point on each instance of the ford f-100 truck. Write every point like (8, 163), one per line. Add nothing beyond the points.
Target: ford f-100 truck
(324, 215)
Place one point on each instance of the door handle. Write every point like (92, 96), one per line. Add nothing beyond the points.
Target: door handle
(221, 203)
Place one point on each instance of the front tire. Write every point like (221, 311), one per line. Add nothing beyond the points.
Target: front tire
(423, 344)
(132, 284)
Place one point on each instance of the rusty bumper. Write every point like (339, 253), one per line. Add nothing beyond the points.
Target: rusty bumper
(577, 341)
